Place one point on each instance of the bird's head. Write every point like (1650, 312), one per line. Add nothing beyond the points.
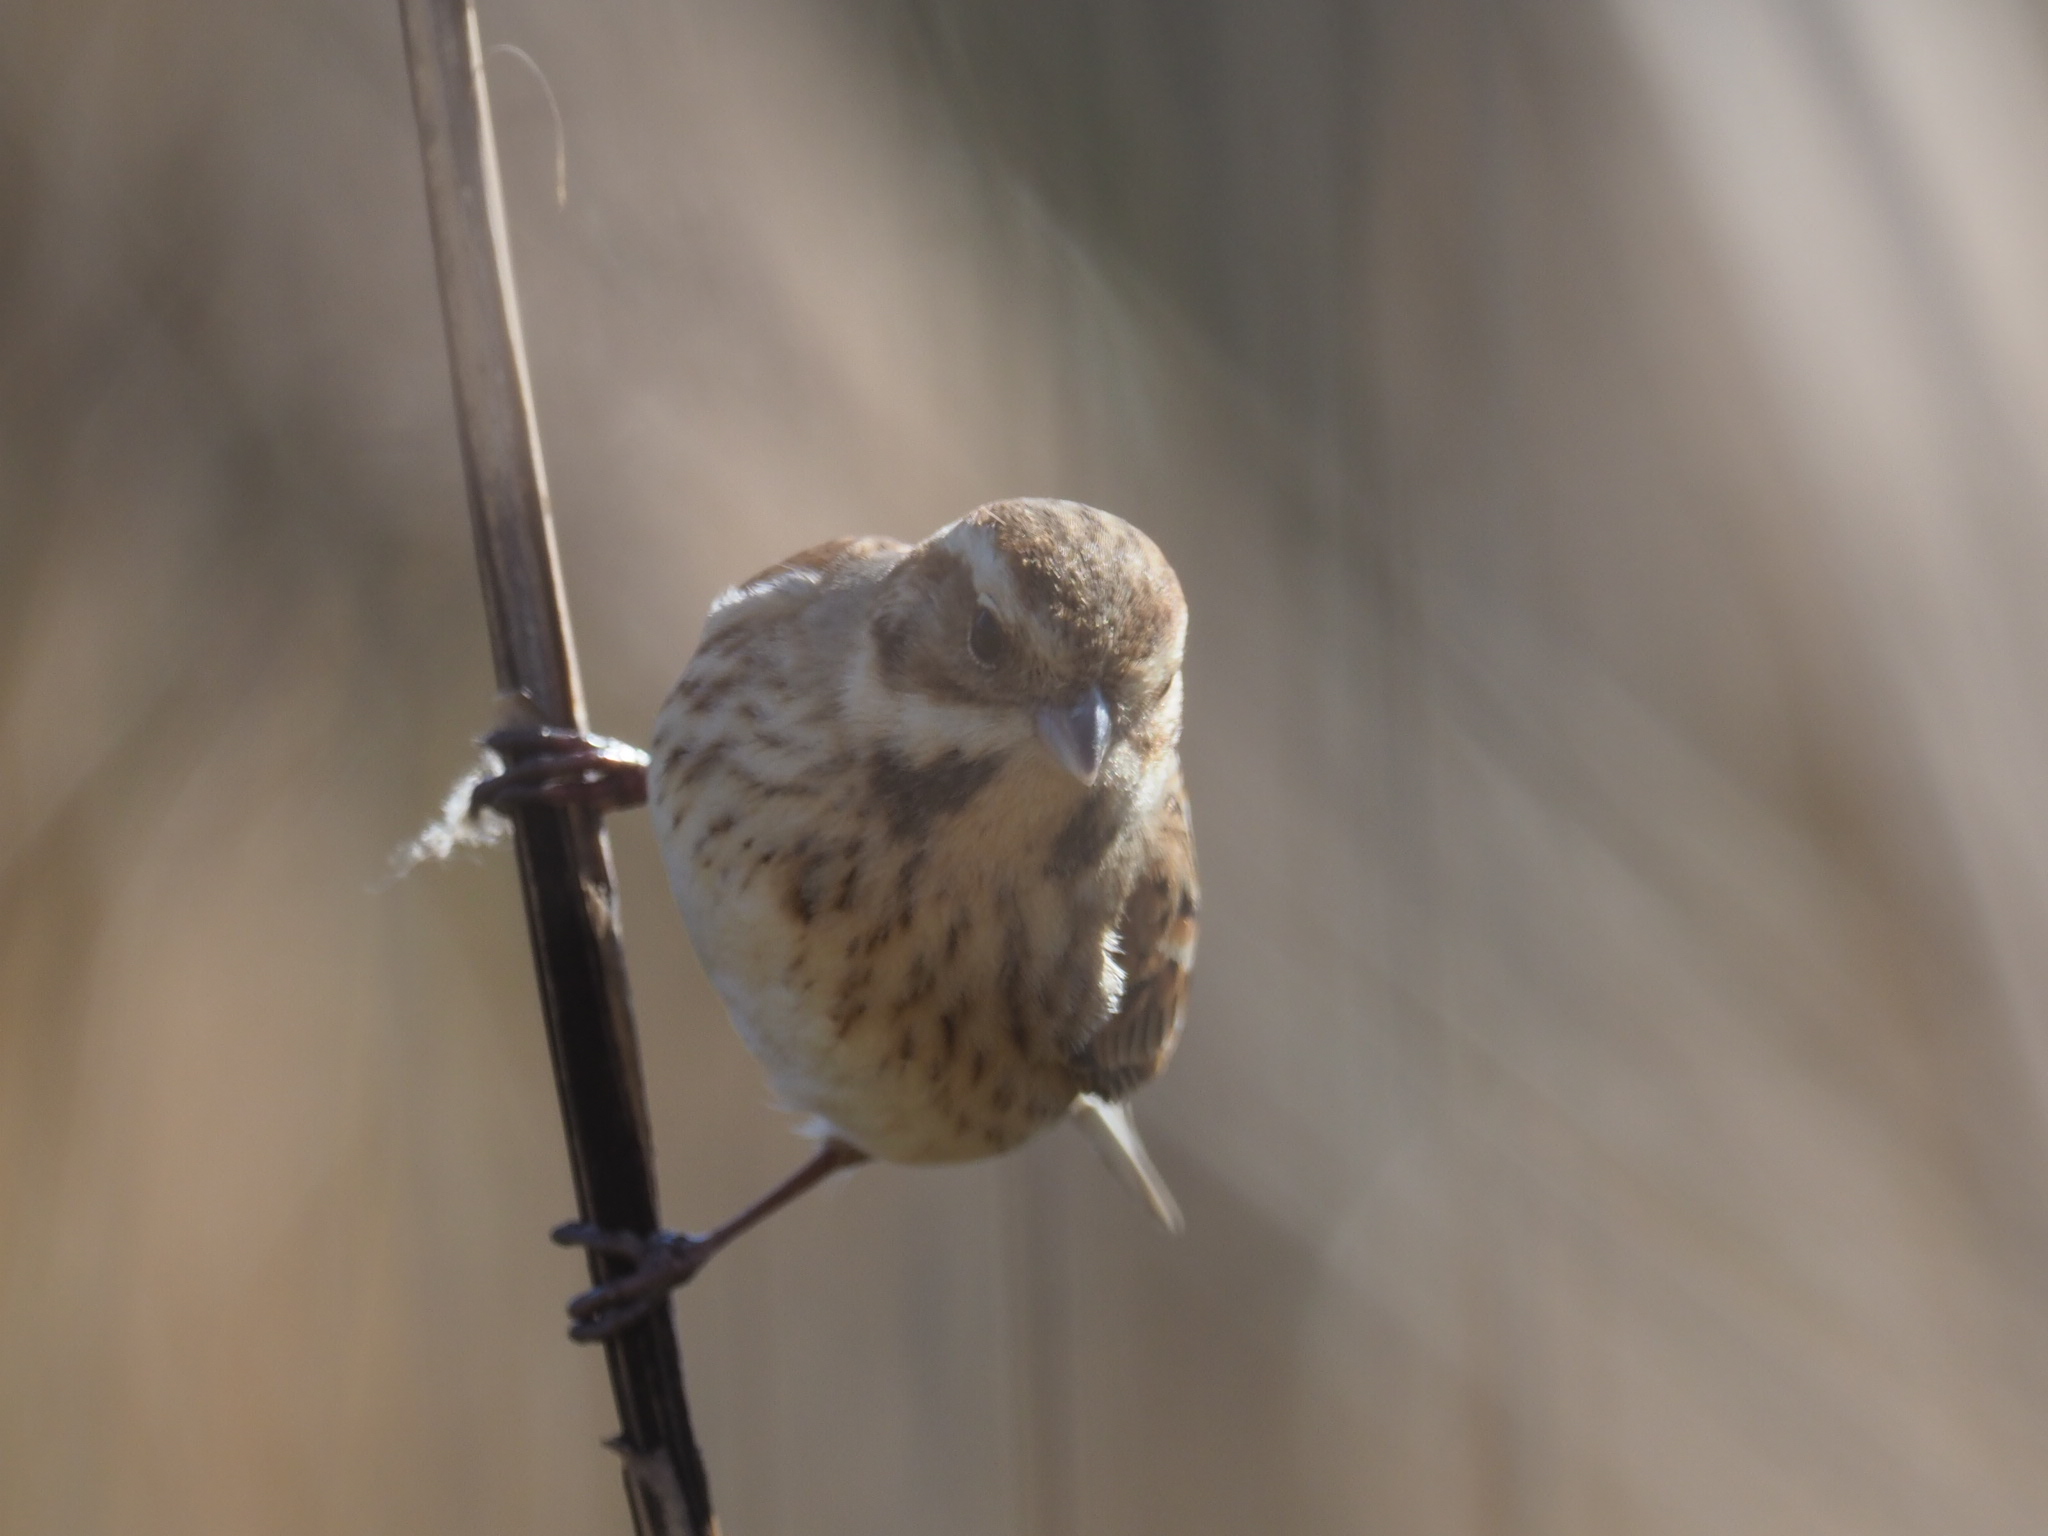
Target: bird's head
(1041, 624)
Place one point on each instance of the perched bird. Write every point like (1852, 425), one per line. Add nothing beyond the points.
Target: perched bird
(921, 807)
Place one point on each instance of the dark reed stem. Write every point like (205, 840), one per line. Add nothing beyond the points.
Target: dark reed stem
(564, 857)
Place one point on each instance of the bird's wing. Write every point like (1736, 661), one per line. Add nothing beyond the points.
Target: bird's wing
(1155, 944)
(790, 583)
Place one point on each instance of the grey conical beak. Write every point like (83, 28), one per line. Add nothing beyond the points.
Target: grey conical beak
(1078, 733)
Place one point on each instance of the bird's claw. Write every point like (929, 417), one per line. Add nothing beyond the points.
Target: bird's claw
(547, 765)
(661, 1261)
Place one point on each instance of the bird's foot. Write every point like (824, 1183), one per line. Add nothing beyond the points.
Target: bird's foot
(547, 765)
(661, 1262)
(665, 1260)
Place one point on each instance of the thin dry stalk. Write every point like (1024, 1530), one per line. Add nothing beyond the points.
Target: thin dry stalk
(564, 858)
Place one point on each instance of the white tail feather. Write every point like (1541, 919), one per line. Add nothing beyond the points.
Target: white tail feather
(1115, 1135)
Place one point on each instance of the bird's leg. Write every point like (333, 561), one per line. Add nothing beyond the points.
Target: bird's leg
(666, 1260)
(547, 765)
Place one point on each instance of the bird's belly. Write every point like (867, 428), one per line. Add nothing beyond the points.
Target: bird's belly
(874, 998)
(890, 1104)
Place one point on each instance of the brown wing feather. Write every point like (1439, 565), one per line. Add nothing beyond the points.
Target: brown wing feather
(1155, 944)
(760, 603)
(822, 557)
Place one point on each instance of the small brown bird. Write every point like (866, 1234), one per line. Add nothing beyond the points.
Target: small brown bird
(922, 809)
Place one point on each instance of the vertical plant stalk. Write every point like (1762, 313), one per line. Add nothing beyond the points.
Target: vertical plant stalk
(564, 858)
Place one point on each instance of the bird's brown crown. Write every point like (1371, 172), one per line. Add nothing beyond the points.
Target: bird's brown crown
(1024, 600)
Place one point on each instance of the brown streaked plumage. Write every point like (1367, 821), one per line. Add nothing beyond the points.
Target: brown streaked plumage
(933, 931)
(921, 806)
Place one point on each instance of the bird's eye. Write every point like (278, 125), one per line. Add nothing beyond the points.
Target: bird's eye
(987, 641)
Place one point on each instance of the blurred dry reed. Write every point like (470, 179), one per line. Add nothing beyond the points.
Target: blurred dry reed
(1598, 439)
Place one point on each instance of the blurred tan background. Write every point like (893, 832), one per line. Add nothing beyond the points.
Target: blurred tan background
(1602, 441)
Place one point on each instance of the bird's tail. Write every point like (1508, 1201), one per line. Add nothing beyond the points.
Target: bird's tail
(1115, 1135)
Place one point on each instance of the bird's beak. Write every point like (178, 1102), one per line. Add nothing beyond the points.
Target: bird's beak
(1078, 733)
